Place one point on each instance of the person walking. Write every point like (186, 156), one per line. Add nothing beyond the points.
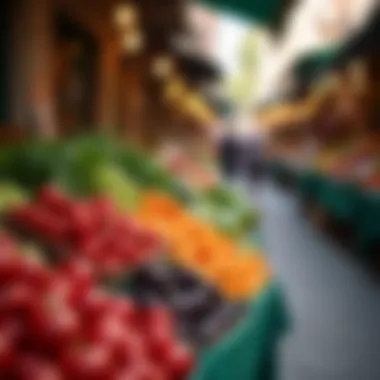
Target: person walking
(230, 156)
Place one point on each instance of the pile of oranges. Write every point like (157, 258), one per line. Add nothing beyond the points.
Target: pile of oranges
(237, 273)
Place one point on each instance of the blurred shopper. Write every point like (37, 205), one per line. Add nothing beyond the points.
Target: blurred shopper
(254, 157)
(230, 155)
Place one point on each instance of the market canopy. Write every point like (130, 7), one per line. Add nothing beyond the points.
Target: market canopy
(316, 63)
(364, 42)
(267, 12)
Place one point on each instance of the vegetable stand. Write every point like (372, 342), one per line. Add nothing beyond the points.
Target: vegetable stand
(347, 203)
(368, 222)
(85, 167)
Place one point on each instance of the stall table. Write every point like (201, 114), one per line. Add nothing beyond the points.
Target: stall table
(368, 223)
(249, 351)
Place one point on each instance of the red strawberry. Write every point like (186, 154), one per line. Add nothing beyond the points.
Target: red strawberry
(95, 305)
(80, 271)
(35, 273)
(91, 362)
(103, 210)
(53, 199)
(54, 324)
(179, 361)
(109, 329)
(30, 367)
(17, 299)
(8, 335)
(159, 319)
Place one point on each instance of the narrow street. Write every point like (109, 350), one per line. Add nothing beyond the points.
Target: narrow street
(334, 304)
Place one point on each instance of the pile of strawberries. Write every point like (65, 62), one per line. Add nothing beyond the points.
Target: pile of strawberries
(92, 230)
(56, 324)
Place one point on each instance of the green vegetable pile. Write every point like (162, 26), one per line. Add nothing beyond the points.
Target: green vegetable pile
(96, 164)
(221, 207)
(10, 196)
(85, 166)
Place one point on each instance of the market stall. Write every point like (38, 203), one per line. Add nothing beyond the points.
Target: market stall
(340, 178)
(166, 244)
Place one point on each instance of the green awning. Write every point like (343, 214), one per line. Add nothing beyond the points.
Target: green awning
(364, 42)
(266, 12)
(311, 66)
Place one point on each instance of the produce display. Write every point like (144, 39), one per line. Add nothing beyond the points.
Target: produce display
(30, 164)
(58, 326)
(326, 160)
(221, 208)
(92, 165)
(113, 264)
(372, 182)
(90, 229)
(236, 273)
(202, 313)
(11, 196)
(77, 165)
(191, 173)
(215, 203)
(112, 181)
(356, 163)
(343, 183)
(149, 174)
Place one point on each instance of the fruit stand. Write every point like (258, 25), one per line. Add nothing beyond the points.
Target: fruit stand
(342, 182)
(368, 223)
(118, 227)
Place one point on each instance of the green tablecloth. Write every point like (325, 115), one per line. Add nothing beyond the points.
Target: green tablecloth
(347, 203)
(249, 352)
(368, 222)
(339, 199)
(309, 184)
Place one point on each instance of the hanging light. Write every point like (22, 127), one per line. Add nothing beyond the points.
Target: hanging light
(133, 43)
(125, 16)
(162, 67)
